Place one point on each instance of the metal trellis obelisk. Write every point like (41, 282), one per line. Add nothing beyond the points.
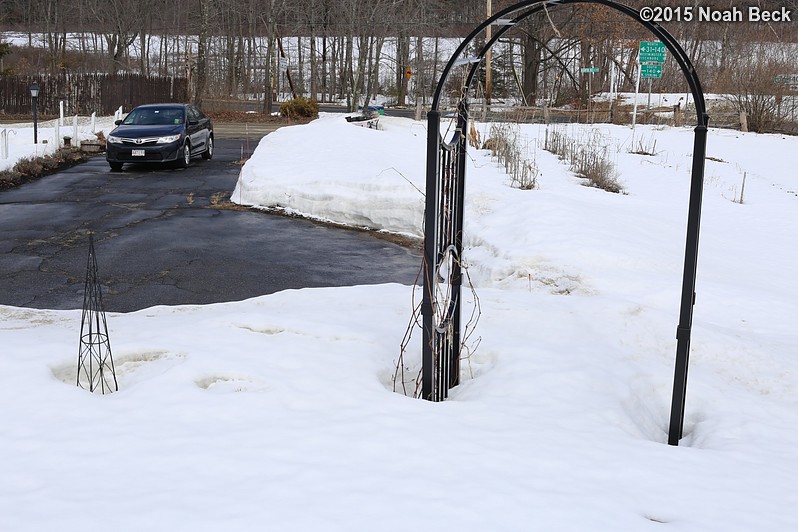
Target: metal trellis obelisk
(95, 363)
(443, 218)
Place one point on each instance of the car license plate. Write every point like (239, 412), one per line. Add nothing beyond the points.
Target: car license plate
(137, 153)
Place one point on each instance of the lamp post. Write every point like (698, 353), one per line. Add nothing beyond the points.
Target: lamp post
(34, 94)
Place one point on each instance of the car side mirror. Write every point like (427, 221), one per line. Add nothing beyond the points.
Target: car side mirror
(117, 122)
(193, 122)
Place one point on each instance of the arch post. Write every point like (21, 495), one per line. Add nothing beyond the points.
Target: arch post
(443, 218)
(676, 428)
(443, 249)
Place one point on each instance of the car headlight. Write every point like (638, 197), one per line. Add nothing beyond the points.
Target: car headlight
(113, 140)
(170, 138)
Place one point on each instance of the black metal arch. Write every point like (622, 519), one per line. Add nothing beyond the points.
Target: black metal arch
(443, 219)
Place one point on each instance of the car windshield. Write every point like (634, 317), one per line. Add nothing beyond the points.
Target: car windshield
(154, 117)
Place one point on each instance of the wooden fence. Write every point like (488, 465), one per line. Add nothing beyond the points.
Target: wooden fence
(88, 93)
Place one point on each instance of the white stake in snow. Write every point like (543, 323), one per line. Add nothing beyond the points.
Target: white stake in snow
(61, 118)
(4, 142)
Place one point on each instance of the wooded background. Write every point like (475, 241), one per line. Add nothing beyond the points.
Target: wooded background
(352, 50)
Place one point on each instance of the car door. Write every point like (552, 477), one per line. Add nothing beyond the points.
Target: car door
(196, 129)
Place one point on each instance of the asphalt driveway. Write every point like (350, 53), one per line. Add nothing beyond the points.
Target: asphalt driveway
(169, 236)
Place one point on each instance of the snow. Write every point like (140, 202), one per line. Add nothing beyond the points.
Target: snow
(50, 135)
(660, 99)
(279, 412)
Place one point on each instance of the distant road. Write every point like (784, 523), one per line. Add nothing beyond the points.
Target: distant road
(242, 131)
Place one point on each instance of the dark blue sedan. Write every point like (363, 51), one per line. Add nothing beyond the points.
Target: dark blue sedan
(160, 133)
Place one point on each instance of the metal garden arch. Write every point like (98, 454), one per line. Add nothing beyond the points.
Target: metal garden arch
(443, 218)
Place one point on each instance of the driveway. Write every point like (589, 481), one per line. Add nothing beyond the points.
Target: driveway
(168, 237)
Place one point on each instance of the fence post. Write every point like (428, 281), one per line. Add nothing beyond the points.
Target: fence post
(93, 123)
(61, 115)
(743, 122)
(3, 144)
(75, 140)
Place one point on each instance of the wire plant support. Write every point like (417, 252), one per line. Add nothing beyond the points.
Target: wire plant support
(443, 217)
(95, 363)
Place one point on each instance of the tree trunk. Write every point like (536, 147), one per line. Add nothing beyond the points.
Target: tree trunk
(299, 80)
(238, 67)
(531, 58)
(268, 94)
(585, 52)
(230, 58)
(418, 88)
(347, 73)
(202, 44)
(375, 82)
(324, 85)
(402, 62)
(332, 76)
(144, 67)
(365, 67)
(314, 67)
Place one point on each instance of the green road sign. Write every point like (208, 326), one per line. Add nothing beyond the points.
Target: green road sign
(652, 52)
(650, 71)
(590, 70)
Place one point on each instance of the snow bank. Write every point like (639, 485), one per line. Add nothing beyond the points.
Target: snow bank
(279, 412)
(333, 170)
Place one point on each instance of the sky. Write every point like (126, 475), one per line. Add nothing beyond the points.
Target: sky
(284, 412)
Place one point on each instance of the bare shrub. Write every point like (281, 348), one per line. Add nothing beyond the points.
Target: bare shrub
(507, 146)
(644, 146)
(757, 88)
(588, 157)
(474, 138)
(557, 142)
(10, 179)
(595, 166)
(101, 138)
(29, 168)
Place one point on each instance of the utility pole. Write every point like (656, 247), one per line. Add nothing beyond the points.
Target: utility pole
(488, 35)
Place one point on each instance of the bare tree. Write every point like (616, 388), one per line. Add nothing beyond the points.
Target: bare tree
(202, 50)
(120, 23)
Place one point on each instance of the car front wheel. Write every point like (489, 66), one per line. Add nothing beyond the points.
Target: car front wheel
(185, 159)
(208, 153)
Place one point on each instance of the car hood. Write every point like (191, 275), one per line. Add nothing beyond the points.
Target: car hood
(131, 132)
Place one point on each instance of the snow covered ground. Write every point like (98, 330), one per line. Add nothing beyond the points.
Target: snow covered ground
(16, 140)
(279, 412)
